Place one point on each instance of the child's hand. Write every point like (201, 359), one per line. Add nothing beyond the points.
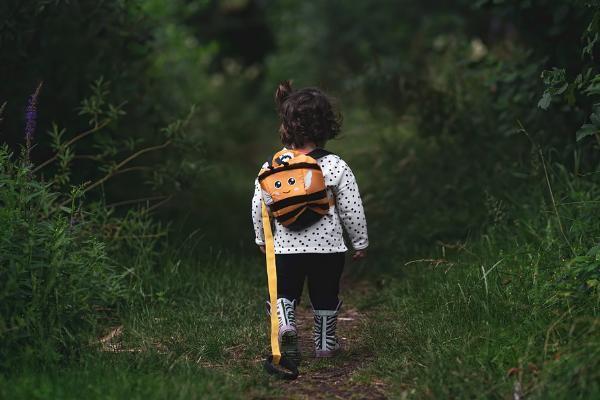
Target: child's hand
(261, 247)
(359, 255)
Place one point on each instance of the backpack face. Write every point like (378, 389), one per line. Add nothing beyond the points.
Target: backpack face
(294, 189)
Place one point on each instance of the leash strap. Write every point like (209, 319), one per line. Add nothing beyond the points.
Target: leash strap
(272, 280)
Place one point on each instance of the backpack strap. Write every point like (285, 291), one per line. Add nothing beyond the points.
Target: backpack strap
(319, 153)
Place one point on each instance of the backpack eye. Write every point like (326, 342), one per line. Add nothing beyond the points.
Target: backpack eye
(291, 181)
(277, 184)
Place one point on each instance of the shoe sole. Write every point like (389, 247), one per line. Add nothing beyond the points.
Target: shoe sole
(289, 347)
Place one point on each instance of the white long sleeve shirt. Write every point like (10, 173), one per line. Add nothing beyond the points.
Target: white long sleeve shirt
(325, 235)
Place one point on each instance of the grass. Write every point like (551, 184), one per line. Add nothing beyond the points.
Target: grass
(516, 310)
(203, 338)
(132, 376)
(485, 322)
(512, 309)
(437, 329)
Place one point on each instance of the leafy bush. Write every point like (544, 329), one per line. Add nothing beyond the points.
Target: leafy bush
(66, 264)
(54, 276)
(513, 311)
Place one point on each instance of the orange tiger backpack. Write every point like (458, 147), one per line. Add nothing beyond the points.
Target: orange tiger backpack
(294, 189)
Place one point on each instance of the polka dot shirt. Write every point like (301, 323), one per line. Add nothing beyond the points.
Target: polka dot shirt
(325, 235)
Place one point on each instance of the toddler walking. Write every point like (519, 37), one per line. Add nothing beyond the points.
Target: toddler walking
(312, 196)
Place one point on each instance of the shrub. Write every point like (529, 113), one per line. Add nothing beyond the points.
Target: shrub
(54, 276)
(66, 264)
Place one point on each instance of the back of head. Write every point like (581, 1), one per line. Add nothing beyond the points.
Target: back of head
(307, 115)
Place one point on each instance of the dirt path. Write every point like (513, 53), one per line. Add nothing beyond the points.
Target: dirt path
(332, 378)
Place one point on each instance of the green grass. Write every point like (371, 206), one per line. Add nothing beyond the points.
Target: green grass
(437, 330)
(202, 338)
(516, 308)
(132, 376)
(202, 334)
(218, 305)
(444, 331)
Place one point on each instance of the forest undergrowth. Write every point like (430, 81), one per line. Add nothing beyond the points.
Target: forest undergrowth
(511, 311)
(127, 266)
(514, 312)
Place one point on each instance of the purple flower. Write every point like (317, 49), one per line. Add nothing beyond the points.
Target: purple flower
(31, 117)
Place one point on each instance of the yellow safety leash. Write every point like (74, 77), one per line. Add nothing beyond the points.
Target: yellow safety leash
(275, 364)
(272, 279)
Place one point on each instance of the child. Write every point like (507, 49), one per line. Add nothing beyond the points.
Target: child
(316, 252)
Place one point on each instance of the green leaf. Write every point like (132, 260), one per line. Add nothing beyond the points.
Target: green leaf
(593, 87)
(585, 131)
(595, 118)
(594, 251)
(545, 101)
(561, 89)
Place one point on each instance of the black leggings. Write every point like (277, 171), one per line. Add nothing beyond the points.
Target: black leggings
(323, 272)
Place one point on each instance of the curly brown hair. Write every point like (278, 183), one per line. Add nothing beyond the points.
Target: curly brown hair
(307, 115)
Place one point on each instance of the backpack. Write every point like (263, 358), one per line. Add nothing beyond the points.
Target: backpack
(293, 188)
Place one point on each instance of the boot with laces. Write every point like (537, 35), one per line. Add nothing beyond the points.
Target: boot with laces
(288, 334)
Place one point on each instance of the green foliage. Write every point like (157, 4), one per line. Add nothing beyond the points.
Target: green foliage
(124, 377)
(198, 337)
(509, 303)
(67, 266)
(510, 312)
(196, 334)
(584, 89)
(584, 272)
(436, 96)
(53, 277)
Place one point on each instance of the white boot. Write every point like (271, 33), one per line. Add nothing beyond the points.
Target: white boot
(326, 342)
(288, 334)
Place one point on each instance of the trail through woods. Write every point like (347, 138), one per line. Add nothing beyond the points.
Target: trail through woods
(334, 378)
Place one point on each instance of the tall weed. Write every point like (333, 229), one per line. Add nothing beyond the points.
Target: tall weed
(54, 279)
(68, 265)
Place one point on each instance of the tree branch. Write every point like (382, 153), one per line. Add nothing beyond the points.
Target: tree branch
(126, 202)
(115, 171)
(160, 203)
(70, 142)
(125, 161)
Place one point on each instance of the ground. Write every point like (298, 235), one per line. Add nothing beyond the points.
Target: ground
(334, 378)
